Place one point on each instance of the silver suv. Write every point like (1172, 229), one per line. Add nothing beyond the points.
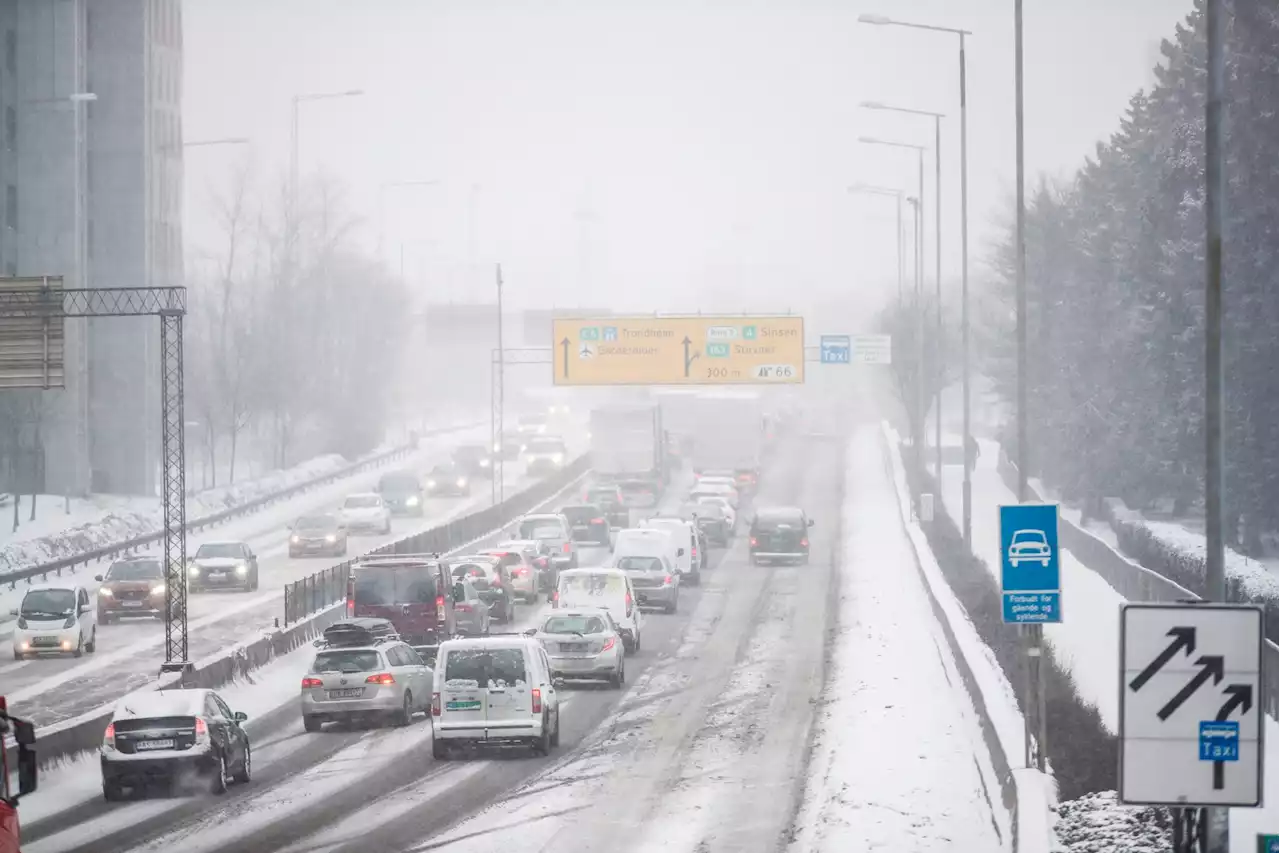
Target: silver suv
(364, 670)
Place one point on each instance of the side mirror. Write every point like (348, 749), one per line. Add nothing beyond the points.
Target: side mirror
(239, 716)
(27, 767)
(85, 608)
(680, 553)
(98, 578)
(531, 632)
(811, 522)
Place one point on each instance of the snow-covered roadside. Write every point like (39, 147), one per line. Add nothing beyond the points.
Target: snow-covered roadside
(1085, 642)
(898, 761)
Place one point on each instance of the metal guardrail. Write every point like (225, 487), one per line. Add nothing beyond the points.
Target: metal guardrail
(325, 588)
(130, 546)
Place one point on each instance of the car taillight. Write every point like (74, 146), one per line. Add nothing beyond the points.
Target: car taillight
(109, 736)
(519, 571)
(537, 700)
(597, 521)
(312, 682)
(435, 704)
(754, 542)
(381, 678)
(351, 607)
(463, 608)
(440, 608)
(202, 729)
(608, 644)
(628, 601)
(695, 551)
(565, 548)
(555, 598)
(804, 543)
(668, 580)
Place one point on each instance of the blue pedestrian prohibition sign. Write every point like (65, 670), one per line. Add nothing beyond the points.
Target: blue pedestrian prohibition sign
(835, 349)
(1030, 568)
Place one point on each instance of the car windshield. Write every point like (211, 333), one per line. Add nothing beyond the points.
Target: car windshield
(346, 660)
(49, 602)
(779, 522)
(540, 529)
(573, 624)
(362, 502)
(135, 570)
(580, 514)
(398, 483)
(385, 585)
(484, 668)
(220, 550)
(316, 523)
(640, 564)
(591, 583)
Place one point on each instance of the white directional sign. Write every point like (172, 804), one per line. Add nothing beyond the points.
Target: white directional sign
(1190, 710)
(872, 349)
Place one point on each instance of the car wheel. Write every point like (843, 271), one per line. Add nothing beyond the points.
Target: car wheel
(112, 792)
(405, 717)
(245, 773)
(618, 678)
(17, 655)
(92, 645)
(103, 618)
(221, 776)
(672, 607)
(312, 723)
(438, 750)
(386, 528)
(79, 652)
(293, 555)
(754, 560)
(542, 745)
(555, 735)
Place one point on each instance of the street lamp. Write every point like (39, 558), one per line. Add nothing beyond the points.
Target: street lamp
(896, 194)
(918, 212)
(883, 21)
(937, 256)
(298, 100)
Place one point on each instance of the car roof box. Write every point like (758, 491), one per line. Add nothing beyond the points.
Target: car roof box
(363, 631)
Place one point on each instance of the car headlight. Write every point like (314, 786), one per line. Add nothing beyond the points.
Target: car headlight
(484, 463)
(462, 482)
(242, 568)
(412, 500)
(158, 589)
(194, 571)
(431, 484)
(331, 538)
(102, 590)
(557, 458)
(295, 539)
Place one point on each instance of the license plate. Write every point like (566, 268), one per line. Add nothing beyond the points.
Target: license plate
(132, 603)
(573, 648)
(44, 641)
(142, 745)
(346, 693)
(463, 705)
(217, 576)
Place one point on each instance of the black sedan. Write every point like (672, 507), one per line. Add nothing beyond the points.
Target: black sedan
(448, 481)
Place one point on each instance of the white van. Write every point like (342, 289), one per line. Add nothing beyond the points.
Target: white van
(493, 690)
(608, 589)
(685, 537)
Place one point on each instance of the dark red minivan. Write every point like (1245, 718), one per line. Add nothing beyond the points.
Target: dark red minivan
(412, 591)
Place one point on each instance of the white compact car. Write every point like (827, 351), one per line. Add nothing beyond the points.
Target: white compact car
(583, 643)
(494, 691)
(55, 619)
(365, 512)
(607, 589)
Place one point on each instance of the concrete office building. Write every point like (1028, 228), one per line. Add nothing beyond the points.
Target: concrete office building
(91, 174)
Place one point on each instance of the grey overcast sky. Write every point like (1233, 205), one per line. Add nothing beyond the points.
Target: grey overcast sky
(650, 154)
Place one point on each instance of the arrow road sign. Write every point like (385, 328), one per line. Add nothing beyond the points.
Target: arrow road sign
(688, 359)
(1188, 677)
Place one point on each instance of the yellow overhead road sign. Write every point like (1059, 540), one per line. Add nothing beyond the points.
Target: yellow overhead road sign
(678, 350)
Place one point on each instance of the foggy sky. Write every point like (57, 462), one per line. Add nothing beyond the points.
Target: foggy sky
(650, 155)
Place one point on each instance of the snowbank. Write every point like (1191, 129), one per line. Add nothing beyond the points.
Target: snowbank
(1096, 823)
(1256, 580)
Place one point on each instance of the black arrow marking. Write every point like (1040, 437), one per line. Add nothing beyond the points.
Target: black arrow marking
(688, 359)
(1183, 638)
(565, 346)
(1241, 696)
(1210, 667)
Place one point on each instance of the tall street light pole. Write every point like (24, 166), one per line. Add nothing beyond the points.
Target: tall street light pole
(967, 493)
(918, 425)
(898, 195)
(937, 275)
(298, 101)
(1216, 823)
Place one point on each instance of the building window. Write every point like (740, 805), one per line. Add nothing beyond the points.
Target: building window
(11, 51)
(10, 129)
(11, 207)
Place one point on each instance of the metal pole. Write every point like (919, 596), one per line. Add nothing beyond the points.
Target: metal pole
(173, 451)
(293, 162)
(937, 308)
(922, 400)
(1034, 735)
(967, 490)
(1215, 821)
(502, 367)
(902, 260)
(917, 426)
